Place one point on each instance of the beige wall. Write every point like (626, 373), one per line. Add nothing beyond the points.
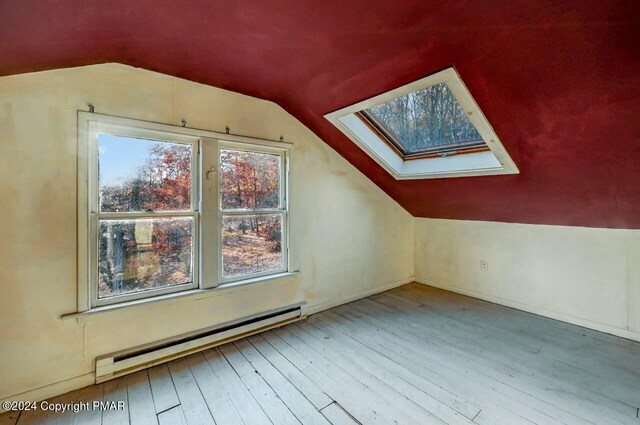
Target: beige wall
(348, 238)
(586, 276)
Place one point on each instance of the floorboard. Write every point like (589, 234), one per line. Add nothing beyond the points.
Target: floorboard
(338, 416)
(193, 405)
(220, 405)
(89, 416)
(483, 370)
(299, 405)
(244, 402)
(412, 355)
(271, 404)
(298, 379)
(457, 378)
(162, 388)
(507, 353)
(172, 416)
(141, 408)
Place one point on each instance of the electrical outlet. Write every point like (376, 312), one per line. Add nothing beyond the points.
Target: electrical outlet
(484, 266)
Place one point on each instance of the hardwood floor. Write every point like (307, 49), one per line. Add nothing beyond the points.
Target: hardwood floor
(412, 355)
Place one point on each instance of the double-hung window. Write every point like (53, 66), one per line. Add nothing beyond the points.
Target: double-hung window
(252, 211)
(165, 209)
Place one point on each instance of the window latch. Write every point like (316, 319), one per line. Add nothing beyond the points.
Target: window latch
(446, 154)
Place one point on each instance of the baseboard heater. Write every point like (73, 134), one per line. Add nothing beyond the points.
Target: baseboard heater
(123, 362)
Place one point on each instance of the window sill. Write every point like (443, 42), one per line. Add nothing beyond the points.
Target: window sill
(192, 295)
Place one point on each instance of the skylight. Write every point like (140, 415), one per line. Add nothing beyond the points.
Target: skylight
(429, 128)
(429, 120)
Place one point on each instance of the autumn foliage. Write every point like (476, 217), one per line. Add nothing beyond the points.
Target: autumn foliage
(251, 181)
(162, 183)
(138, 254)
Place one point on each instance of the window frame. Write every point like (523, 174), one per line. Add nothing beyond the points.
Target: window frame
(282, 203)
(207, 216)
(96, 216)
(479, 161)
(431, 152)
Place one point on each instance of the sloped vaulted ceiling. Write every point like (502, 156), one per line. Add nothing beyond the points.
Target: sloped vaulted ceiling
(559, 81)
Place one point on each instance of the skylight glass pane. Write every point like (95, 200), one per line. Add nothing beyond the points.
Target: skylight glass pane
(428, 120)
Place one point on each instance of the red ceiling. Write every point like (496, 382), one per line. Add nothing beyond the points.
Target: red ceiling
(558, 80)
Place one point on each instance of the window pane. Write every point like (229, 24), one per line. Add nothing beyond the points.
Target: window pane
(143, 175)
(426, 120)
(141, 254)
(249, 180)
(251, 244)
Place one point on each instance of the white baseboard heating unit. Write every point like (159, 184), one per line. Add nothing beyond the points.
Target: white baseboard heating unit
(121, 363)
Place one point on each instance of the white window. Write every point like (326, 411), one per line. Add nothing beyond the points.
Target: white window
(431, 128)
(164, 209)
(253, 212)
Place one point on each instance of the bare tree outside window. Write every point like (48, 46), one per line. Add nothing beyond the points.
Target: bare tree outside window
(427, 120)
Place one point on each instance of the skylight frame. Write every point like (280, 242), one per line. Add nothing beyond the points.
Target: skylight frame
(398, 147)
(492, 160)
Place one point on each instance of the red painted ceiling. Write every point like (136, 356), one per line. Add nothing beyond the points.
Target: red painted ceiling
(558, 80)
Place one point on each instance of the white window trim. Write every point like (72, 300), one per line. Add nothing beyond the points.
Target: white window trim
(283, 200)
(97, 127)
(497, 161)
(205, 205)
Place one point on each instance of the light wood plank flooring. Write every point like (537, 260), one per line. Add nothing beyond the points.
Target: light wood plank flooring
(412, 355)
